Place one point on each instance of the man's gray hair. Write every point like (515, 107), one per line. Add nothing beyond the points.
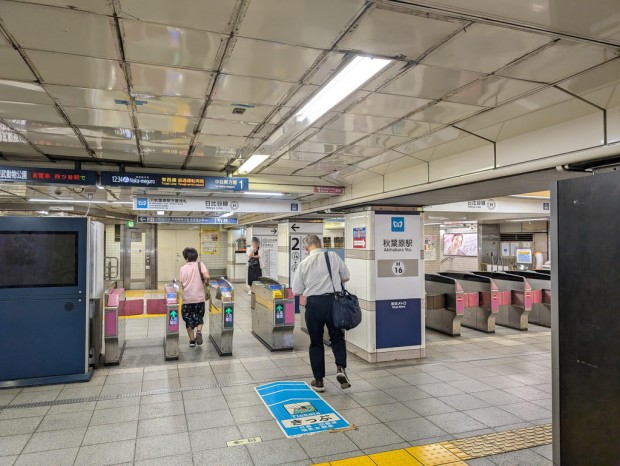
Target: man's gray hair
(313, 240)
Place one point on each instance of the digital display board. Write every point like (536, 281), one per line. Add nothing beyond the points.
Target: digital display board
(48, 176)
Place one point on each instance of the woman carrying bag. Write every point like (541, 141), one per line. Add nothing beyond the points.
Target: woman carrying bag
(195, 280)
(254, 263)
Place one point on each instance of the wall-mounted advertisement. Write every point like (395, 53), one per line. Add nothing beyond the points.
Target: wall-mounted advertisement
(460, 244)
(209, 240)
(430, 247)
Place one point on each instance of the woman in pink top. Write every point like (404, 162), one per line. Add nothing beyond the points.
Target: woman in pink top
(192, 275)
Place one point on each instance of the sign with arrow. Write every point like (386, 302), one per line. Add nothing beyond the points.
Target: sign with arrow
(228, 316)
(294, 227)
(243, 441)
(279, 317)
(173, 320)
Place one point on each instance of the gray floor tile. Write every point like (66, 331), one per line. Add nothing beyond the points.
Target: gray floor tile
(111, 433)
(396, 446)
(161, 398)
(455, 422)
(212, 403)
(13, 444)
(120, 403)
(61, 457)
(114, 415)
(54, 440)
(340, 456)
(162, 426)
(358, 416)
(161, 446)
(480, 462)
(24, 412)
(35, 396)
(24, 425)
(122, 388)
(391, 381)
(65, 421)
(527, 393)
(373, 435)
(160, 384)
(545, 451)
(201, 421)
(241, 400)
(81, 392)
(247, 414)
(124, 378)
(520, 458)
(284, 451)
(217, 437)
(326, 444)
(415, 429)
(410, 393)
(500, 381)
(72, 407)
(236, 456)
(527, 411)
(493, 416)
(547, 403)
(464, 401)
(372, 398)
(419, 378)
(470, 385)
(340, 401)
(198, 381)
(106, 453)
(440, 389)
(209, 392)
(174, 460)
(429, 406)
(391, 412)
(167, 408)
(450, 375)
(497, 397)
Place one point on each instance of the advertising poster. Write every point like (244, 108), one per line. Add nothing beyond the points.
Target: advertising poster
(460, 244)
(524, 256)
(209, 240)
(430, 247)
(513, 249)
(505, 249)
(359, 238)
(269, 253)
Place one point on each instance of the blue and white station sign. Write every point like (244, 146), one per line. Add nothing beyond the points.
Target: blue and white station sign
(298, 409)
(190, 220)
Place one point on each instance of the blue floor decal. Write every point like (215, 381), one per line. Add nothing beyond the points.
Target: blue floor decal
(298, 409)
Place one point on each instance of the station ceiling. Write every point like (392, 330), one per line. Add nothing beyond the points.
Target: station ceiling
(202, 85)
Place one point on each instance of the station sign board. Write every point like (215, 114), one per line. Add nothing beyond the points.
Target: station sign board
(48, 176)
(188, 220)
(158, 180)
(212, 204)
(329, 190)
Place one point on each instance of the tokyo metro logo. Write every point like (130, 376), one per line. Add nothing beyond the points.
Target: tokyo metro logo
(398, 224)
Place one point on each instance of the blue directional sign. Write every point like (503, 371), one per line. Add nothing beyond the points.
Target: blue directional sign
(158, 180)
(190, 220)
(298, 409)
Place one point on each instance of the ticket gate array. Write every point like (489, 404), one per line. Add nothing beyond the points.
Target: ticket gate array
(302, 316)
(445, 304)
(221, 316)
(515, 299)
(480, 300)
(114, 326)
(541, 296)
(171, 336)
(273, 314)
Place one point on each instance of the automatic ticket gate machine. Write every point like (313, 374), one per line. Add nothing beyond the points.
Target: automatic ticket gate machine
(445, 304)
(273, 314)
(221, 316)
(113, 326)
(171, 335)
(541, 296)
(480, 300)
(515, 299)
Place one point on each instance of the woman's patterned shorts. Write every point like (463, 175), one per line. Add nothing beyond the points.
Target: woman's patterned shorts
(193, 314)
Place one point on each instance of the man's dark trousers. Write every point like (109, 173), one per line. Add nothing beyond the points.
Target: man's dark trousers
(319, 314)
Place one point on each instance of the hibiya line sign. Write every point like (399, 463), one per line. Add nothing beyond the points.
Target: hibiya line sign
(211, 204)
(156, 180)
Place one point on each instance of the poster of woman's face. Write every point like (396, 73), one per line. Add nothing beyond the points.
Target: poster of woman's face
(460, 244)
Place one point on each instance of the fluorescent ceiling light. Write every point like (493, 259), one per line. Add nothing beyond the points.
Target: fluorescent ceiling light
(524, 196)
(251, 163)
(79, 201)
(160, 212)
(258, 193)
(226, 215)
(521, 220)
(352, 76)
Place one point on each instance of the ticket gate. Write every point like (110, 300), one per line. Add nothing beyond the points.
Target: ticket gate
(221, 316)
(171, 335)
(273, 314)
(480, 300)
(541, 296)
(302, 316)
(114, 326)
(515, 299)
(445, 304)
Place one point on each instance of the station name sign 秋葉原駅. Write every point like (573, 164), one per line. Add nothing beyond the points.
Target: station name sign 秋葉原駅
(189, 220)
(48, 176)
(158, 180)
(213, 204)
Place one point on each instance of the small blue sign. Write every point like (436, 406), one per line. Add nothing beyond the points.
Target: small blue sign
(142, 203)
(294, 207)
(398, 224)
(399, 322)
(189, 220)
(546, 205)
(226, 183)
(298, 409)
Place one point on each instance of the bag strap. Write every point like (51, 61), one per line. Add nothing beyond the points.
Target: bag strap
(202, 277)
(329, 270)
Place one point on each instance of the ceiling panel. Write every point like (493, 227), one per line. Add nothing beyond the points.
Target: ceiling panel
(563, 59)
(299, 22)
(261, 59)
(252, 113)
(251, 90)
(381, 140)
(176, 82)
(117, 156)
(287, 163)
(170, 46)
(73, 70)
(434, 139)
(493, 91)
(94, 6)
(128, 145)
(429, 82)
(384, 158)
(76, 152)
(386, 105)
(220, 153)
(390, 33)
(25, 111)
(602, 77)
(359, 123)
(230, 142)
(18, 148)
(29, 126)
(275, 170)
(59, 29)
(409, 128)
(318, 147)
(165, 137)
(17, 91)
(302, 156)
(227, 127)
(165, 160)
(302, 93)
(361, 151)
(169, 105)
(94, 117)
(173, 123)
(106, 132)
(329, 64)
(445, 112)
(14, 66)
(336, 137)
(485, 48)
(87, 98)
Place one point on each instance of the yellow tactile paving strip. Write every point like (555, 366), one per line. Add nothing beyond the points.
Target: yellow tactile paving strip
(455, 452)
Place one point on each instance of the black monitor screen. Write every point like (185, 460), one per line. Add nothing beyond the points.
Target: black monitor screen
(38, 259)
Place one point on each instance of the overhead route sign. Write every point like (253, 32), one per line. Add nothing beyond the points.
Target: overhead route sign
(213, 204)
(189, 220)
(298, 409)
(158, 180)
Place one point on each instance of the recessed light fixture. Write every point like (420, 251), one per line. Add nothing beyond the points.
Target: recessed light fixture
(226, 215)
(160, 212)
(251, 163)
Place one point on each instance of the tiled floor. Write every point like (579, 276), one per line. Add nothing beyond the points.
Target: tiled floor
(473, 385)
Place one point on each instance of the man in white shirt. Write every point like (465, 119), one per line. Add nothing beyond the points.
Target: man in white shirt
(312, 280)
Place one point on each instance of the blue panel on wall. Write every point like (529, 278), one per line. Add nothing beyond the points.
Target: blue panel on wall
(399, 323)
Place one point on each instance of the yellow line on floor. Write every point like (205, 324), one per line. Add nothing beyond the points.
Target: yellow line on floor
(455, 452)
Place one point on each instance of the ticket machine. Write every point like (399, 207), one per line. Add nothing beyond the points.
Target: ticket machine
(273, 314)
(171, 335)
(515, 299)
(222, 316)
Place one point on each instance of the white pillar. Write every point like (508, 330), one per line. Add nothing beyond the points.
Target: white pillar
(384, 253)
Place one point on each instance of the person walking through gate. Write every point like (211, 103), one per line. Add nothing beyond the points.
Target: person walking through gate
(192, 275)
(312, 281)
(254, 262)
